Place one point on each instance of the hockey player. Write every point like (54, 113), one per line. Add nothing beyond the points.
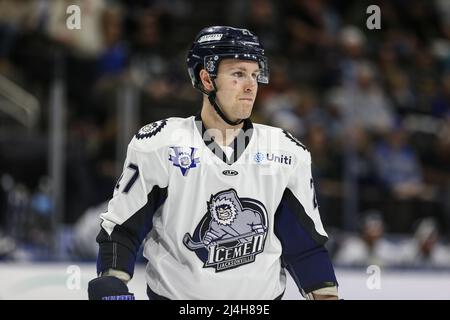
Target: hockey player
(224, 206)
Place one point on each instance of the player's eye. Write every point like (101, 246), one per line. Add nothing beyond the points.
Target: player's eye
(238, 74)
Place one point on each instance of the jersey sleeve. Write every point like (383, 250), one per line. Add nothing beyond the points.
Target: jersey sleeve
(138, 194)
(299, 228)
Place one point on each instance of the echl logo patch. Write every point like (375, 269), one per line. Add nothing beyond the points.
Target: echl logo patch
(184, 158)
(231, 233)
(151, 129)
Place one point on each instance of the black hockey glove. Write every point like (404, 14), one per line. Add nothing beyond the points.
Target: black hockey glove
(108, 288)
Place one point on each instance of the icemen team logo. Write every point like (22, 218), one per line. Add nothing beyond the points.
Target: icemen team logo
(184, 159)
(231, 233)
(151, 129)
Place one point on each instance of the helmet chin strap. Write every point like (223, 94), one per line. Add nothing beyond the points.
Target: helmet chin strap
(212, 99)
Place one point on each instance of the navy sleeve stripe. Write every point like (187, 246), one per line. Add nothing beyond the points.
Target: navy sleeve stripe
(304, 254)
(119, 249)
(296, 207)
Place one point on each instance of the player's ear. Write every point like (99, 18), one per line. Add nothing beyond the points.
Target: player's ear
(206, 80)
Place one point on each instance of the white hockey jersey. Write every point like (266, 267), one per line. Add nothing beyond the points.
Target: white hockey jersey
(209, 221)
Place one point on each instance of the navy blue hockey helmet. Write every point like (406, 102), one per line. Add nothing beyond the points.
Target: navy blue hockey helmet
(213, 44)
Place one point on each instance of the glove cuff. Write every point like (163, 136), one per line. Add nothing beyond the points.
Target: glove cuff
(108, 288)
(122, 275)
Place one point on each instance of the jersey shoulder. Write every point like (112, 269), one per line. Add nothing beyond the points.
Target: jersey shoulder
(285, 140)
(160, 133)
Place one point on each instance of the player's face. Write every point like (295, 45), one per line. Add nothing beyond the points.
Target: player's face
(237, 87)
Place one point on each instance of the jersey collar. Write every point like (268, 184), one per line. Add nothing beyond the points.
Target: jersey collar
(239, 144)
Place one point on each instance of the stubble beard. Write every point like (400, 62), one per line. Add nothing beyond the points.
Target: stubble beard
(243, 110)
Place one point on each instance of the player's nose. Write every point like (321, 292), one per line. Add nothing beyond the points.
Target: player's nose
(249, 88)
(250, 84)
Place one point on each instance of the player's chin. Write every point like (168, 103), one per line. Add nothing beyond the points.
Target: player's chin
(245, 108)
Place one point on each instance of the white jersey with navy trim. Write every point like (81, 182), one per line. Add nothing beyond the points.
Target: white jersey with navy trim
(208, 224)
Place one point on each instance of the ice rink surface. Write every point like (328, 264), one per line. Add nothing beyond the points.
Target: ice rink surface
(65, 281)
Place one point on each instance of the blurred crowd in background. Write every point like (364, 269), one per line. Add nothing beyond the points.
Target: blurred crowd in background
(372, 107)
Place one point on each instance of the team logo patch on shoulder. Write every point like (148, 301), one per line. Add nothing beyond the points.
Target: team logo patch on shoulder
(184, 158)
(294, 139)
(151, 129)
(231, 233)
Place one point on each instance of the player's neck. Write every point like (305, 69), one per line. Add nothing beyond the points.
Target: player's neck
(211, 120)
